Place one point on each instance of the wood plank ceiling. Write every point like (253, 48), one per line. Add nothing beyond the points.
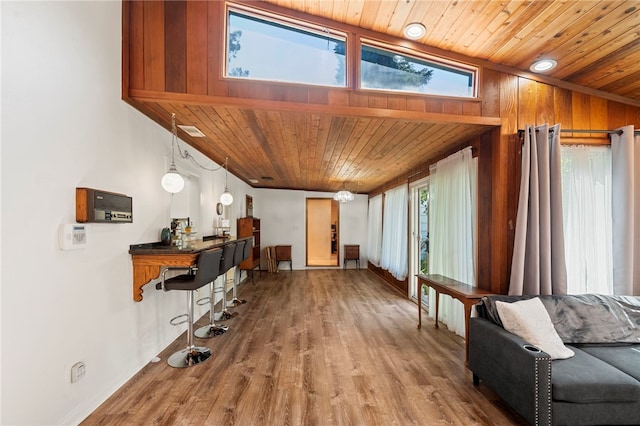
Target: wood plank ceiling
(596, 44)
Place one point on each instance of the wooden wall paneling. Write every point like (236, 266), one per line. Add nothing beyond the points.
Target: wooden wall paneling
(338, 98)
(544, 104)
(526, 102)
(450, 106)
(296, 94)
(581, 111)
(154, 48)
(484, 233)
(377, 101)
(616, 115)
(397, 102)
(498, 186)
(598, 116)
(357, 99)
(175, 41)
(415, 103)
(317, 95)
(216, 86)
(562, 109)
(472, 108)
(633, 116)
(132, 51)
(197, 58)
(433, 105)
(489, 91)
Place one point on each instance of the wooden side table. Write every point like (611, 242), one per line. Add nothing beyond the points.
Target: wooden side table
(465, 293)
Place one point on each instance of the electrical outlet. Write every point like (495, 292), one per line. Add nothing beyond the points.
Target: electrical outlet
(78, 371)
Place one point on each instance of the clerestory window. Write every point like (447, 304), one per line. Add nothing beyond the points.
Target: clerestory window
(264, 48)
(385, 69)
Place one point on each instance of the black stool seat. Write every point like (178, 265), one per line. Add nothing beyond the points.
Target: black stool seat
(205, 272)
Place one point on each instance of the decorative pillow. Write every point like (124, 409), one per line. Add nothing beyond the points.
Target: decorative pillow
(530, 320)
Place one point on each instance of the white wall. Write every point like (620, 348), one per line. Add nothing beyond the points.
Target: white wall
(64, 126)
(283, 221)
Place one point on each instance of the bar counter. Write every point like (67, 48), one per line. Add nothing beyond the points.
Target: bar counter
(149, 258)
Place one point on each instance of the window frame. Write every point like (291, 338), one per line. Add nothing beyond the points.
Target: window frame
(438, 61)
(295, 25)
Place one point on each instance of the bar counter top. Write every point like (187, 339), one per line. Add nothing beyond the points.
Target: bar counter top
(193, 247)
(149, 258)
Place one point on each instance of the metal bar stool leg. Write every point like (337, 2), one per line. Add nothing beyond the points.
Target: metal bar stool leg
(212, 329)
(192, 354)
(236, 301)
(226, 313)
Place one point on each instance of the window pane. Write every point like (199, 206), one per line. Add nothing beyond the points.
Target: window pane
(259, 49)
(387, 70)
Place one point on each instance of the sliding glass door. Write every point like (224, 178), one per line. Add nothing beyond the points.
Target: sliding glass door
(419, 231)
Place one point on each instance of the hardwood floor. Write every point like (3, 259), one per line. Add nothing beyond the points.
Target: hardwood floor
(316, 347)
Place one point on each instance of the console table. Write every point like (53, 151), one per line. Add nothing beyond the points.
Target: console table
(149, 258)
(465, 293)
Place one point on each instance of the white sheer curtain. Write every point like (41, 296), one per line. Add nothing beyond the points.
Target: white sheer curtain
(625, 152)
(452, 218)
(394, 232)
(374, 242)
(586, 199)
(538, 264)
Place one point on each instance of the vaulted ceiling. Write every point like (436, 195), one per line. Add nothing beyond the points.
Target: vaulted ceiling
(596, 43)
(300, 145)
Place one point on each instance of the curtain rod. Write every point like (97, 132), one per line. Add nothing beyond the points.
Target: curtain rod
(609, 132)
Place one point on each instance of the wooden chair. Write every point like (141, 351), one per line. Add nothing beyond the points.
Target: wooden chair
(351, 252)
(283, 254)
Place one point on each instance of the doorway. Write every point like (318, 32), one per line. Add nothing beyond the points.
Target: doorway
(419, 228)
(323, 230)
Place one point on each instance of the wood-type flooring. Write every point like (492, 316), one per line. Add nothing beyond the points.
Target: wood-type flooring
(315, 347)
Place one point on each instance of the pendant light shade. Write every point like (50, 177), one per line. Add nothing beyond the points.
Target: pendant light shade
(172, 181)
(226, 198)
(344, 196)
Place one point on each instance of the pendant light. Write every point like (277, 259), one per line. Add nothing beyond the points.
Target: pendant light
(344, 196)
(226, 198)
(172, 181)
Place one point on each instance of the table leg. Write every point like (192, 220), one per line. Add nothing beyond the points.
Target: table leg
(437, 305)
(419, 305)
(467, 314)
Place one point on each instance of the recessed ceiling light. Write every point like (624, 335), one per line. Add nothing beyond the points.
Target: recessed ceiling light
(252, 180)
(415, 30)
(543, 65)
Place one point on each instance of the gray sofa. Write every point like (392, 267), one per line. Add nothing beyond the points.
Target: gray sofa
(599, 385)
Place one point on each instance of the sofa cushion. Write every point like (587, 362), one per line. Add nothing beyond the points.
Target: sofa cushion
(595, 318)
(529, 320)
(625, 358)
(587, 379)
(581, 318)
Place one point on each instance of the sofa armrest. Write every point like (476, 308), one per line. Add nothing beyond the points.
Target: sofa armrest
(514, 369)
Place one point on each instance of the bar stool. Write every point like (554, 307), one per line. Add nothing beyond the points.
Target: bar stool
(212, 329)
(238, 257)
(205, 272)
(228, 254)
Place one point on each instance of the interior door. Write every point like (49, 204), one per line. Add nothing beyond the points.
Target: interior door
(322, 232)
